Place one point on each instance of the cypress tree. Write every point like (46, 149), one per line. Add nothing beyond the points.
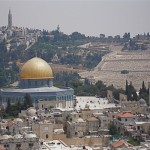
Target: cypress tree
(8, 108)
(27, 101)
(144, 88)
(127, 88)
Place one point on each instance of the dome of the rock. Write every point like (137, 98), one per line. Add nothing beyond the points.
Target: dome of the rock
(36, 68)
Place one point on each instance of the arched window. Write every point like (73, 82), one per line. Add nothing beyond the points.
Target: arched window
(46, 136)
(35, 83)
(42, 83)
(29, 83)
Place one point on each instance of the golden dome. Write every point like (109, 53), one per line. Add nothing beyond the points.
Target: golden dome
(36, 68)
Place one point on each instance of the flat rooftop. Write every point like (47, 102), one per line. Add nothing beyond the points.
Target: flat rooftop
(93, 102)
(59, 145)
(54, 145)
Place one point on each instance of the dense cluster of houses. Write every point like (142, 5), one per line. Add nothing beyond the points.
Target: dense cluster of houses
(19, 36)
(85, 126)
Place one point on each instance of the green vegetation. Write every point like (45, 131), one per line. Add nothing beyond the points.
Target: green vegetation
(130, 92)
(132, 95)
(71, 59)
(92, 60)
(84, 87)
(144, 93)
(66, 48)
(126, 37)
(134, 142)
(12, 110)
(124, 71)
(27, 101)
(137, 43)
(113, 131)
(3, 77)
(51, 44)
(8, 71)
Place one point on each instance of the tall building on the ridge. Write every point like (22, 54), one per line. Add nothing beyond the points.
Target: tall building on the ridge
(9, 20)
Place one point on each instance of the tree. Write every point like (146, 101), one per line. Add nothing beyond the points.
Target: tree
(3, 77)
(130, 91)
(9, 107)
(71, 59)
(113, 130)
(27, 101)
(77, 36)
(134, 142)
(126, 87)
(100, 85)
(66, 84)
(92, 60)
(116, 93)
(18, 106)
(124, 71)
(126, 37)
(45, 32)
(144, 92)
(144, 87)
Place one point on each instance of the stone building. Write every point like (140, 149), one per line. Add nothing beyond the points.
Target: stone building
(93, 125)
(36, 79)
(18, 142)
(43, 130)
(76, 128)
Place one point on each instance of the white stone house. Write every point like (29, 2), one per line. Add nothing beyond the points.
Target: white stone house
(76, 129)
(124, 118)
(12, 128)
(43, 130)
(93, 125)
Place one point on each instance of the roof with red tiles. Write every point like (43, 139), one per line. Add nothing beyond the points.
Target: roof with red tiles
(118, 144)
(125, 114)
(10, 123)
(2, 148)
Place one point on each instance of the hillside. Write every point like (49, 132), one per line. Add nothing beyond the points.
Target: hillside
(109, 70)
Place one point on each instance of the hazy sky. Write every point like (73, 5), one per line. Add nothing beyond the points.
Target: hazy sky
(90, 17)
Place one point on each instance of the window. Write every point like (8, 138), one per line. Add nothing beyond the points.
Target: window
(138, 127)
(13, 129)
(6, 145)
(35, 83)
(45, 128)
(119, 119)
(30, 144)
(125, 119)
(18, 145)
(46, 136)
